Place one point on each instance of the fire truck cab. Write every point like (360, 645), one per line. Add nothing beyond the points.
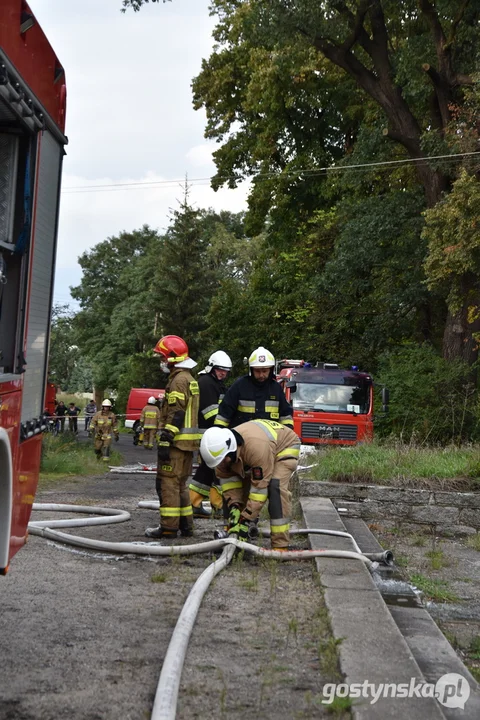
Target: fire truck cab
(32, 140)
(331, 405)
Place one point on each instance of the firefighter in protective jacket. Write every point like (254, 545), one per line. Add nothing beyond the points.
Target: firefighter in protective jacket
(149, 420)
(256, 395)
(179, 437)
(102, 426)
(212, 390)
(254, 463)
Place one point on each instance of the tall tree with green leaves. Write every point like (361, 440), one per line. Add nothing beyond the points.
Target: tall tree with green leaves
(117, 316)
(185, 276)
(294, 86)
(65, 354)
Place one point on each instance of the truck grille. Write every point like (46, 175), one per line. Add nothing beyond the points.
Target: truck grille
(324, 431)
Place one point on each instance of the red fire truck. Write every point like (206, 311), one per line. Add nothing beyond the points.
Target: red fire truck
(32, 140)
(331, 406)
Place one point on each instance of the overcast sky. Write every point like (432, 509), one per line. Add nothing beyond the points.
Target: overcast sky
(129, 118)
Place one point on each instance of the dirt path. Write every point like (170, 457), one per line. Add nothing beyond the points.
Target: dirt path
(83, 635)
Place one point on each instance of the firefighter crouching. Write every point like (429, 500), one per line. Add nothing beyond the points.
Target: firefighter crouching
(149, 420)
(179, 437)
(254, 463)
(103, 424)
(212, 390)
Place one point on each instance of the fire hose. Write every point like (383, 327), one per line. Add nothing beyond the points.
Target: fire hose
(166, 695)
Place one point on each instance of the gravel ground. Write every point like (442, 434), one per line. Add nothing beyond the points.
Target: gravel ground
(84, 634)
(446, 565)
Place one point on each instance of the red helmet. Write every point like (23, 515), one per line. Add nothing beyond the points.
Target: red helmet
(173, 348)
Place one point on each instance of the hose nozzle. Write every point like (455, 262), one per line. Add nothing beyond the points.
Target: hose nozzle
(385, 557)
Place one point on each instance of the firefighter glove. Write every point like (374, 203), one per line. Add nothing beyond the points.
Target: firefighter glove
(166, 436)
(234, 520)
(163, 451)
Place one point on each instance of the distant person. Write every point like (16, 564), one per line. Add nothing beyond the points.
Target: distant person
(103, 424)
(90, 410)
(60, 412)
(150, 420)
(73, 413)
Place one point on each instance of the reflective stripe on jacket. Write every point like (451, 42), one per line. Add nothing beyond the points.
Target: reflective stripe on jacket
(104, 424)
(179, 413)
(265, 443)
(211, 391)
(150, 417)
(245, 400)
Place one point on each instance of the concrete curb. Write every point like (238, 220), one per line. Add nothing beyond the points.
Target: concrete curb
(373, 649)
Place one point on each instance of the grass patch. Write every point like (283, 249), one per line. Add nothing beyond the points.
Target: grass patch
(339, 705)
(400, 465)
(437, 559)
(474, 541)
(159, 578)
(63, 456)
(475, 671)
(434, 589)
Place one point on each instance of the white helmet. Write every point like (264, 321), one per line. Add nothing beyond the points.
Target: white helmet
(151, 400)
(220, 360)
(261, 357)
(216, 443)
(106, 403)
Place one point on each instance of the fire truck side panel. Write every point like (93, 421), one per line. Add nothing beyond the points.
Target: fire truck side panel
(32, 120)
(40, 282)
(9, 437)
(24, 489)
(33, 58)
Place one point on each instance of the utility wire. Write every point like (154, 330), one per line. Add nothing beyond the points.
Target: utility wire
(151, 184)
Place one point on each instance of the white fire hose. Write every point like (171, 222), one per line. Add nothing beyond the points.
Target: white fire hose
(166, 696)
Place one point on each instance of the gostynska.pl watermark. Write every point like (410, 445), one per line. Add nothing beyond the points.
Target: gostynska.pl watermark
(451, 690)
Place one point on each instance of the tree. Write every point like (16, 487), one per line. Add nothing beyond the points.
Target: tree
(186, 278)
(452, 230)
(117, 316)
(405, 69)
(64, 353)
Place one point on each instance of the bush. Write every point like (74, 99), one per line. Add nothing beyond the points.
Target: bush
(63, 456)
(431, 400)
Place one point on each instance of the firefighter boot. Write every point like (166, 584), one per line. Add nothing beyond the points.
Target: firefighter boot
(98, 453)
(160, 532)
(198, 510)
(186, 530)
(106, 457)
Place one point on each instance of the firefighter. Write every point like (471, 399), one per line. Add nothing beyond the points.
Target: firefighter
(256, 395)
(149, 420)
(212, 390)
(179, 437)
(254, 462)
(103, 424)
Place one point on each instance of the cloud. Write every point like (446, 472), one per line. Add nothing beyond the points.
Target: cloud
(129, 119)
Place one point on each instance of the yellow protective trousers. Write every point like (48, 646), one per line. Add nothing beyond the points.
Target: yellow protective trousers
(176, 511)
(149, 437)
(102, 445)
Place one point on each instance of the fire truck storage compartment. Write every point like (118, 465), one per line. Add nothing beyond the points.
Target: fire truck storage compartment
(26, 295)
(41, 274)
(13, 158)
